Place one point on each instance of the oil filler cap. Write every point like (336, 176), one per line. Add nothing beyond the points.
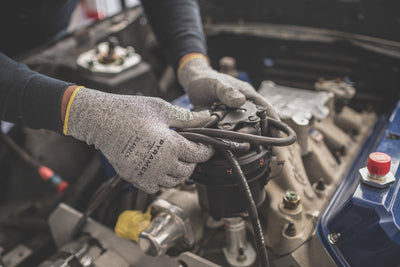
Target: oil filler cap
(379, 163)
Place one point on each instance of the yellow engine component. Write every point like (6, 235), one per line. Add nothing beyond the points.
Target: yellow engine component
(131, 223)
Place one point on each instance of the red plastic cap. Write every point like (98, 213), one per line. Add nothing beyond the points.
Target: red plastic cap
(62, 186)
(379, 163)
(45, 173)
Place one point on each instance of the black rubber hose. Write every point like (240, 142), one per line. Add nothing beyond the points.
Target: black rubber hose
(102, 193)
(253, 139)
(252, 209)
(99, 196)
(217, 143)
(204, 139)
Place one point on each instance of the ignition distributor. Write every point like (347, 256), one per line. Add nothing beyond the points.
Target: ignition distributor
(219, 191)
(232, 181)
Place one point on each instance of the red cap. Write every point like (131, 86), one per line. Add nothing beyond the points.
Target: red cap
(62, 186)
(45, 173)
(379, 163)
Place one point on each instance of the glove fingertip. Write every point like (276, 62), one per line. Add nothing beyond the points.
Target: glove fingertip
(234, 99)
(236, 103)
(206, 152)
(192, 152)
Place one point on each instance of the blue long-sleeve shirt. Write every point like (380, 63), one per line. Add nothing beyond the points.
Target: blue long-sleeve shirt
(32, 99)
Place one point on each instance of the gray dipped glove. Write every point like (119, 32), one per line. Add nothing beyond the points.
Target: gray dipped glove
(133, 133)
(205, 85)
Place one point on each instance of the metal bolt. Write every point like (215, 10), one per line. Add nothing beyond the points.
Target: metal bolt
(241, 255)
(90, 63)
(253, 118)
(291, 200)
(320, 185)
(227, 126)
(334, 238)
(130, 51)
(290, 229)
(110, 56)
(291, 195)
(112, 43)
(262, 113)
(228, 66)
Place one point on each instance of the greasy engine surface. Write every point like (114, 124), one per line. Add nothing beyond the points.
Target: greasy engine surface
(332, 92)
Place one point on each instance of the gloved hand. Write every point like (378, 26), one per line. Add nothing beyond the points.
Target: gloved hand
(133, 133)
(205, 85)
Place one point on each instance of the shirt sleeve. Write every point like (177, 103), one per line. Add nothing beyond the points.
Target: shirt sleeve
(177, 26)
(29, 98)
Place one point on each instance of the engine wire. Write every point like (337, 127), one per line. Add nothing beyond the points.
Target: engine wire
(245, 137)
(98, 198)
(227, 141)
(252, 209)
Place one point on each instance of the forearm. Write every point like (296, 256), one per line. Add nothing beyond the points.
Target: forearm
(30, 98)
(177, 25)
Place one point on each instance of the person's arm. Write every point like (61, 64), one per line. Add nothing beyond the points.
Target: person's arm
(133, 132)
(177, 26)
(29, 98)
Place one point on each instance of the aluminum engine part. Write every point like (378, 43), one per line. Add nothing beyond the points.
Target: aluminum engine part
(291, 102)
(110, 67)
(84, 252)
(179, 221)
(238, 251)
(338, 87)
(312, 168)
(115, 251)
(108, 58)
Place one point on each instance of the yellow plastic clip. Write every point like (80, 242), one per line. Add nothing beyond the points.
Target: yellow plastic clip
(131, 223)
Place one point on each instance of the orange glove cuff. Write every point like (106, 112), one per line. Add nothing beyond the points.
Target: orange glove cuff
(188, 57)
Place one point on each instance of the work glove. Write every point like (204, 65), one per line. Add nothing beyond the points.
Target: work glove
(205, 85)
(133, 133)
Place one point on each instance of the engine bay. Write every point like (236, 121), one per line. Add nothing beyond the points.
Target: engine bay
(339, 94)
